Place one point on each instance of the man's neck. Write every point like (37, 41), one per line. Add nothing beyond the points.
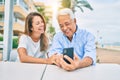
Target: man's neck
(70, 38)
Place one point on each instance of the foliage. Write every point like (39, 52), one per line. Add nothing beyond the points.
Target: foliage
(82, 3)
(15, 42)
(76, 4)
(41, 10)
(1, 38)
(66, 3)
(51, 30)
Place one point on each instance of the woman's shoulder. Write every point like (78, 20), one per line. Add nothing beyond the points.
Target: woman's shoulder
(24, 37)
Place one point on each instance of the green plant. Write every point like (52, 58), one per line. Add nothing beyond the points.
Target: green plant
(51, 30)
(41, 10)
(15, 43)
(1, 38)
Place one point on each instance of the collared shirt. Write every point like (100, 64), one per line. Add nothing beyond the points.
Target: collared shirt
(83, 43)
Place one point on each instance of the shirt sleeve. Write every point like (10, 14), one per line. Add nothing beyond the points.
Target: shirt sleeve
(22, 41)
(56, 46)
(90, 48)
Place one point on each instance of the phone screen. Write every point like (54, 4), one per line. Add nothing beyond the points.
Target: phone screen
(68, 52)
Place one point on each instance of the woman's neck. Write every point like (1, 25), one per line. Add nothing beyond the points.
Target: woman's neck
(35, 38)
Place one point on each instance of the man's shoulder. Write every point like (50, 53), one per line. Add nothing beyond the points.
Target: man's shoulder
(84, 32)
(58, 34)
(80, 30)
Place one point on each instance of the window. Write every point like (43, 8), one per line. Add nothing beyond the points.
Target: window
(2, 2)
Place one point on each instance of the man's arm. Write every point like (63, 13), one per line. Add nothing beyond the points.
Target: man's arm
(56, 46)
(90, 49)
(87, 61)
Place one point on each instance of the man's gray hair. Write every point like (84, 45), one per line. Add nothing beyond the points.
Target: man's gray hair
(66, 11)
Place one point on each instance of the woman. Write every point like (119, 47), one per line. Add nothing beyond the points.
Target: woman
(34, 43)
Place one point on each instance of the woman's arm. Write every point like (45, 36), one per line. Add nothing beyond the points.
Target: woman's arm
(29, 59)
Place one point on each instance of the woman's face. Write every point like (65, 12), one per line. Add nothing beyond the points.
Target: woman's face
(37, 25)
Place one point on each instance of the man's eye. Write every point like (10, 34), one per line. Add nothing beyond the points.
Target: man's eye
(61, 26)
(67, 24)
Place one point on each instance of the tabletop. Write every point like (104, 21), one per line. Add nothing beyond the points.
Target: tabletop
(21, 71)
(28, 71)
(98, 72)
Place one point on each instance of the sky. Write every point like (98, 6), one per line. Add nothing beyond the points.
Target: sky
(103, 21)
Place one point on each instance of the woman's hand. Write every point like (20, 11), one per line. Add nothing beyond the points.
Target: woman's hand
(55, 59)
(52, 59)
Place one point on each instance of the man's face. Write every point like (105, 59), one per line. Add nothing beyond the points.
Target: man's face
(67, 25)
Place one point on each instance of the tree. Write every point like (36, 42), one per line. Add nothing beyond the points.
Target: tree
(76, 4)
(66, 3)
(41, 10)
(51, 30)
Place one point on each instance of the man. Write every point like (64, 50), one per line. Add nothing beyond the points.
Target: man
(72, 36)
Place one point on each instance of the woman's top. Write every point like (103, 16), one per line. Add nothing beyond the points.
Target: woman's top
(32, 48)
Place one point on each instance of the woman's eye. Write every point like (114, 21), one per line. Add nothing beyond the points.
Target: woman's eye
(37, 23)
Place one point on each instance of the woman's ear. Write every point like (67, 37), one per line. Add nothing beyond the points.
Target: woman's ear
(30, 29)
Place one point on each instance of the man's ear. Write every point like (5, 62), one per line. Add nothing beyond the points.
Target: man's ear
(74, 20)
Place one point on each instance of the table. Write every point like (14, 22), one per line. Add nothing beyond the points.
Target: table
(21, 71)
(27, 71)
(98, 72)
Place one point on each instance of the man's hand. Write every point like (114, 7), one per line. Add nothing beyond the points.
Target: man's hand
(74, 64)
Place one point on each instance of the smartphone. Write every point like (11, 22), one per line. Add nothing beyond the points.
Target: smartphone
(69, 52)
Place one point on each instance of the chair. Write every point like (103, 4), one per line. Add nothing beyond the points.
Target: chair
(13, 55)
